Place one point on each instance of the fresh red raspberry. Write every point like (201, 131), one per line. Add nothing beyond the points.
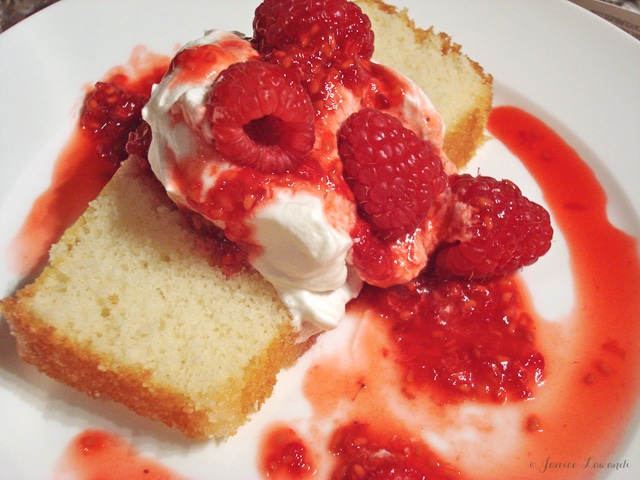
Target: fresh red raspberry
(261, 116)
(109, 114)
(322, 28)
(503, 232)
(394, 175)
(320, 39)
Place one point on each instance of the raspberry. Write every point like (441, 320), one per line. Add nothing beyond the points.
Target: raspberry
(506, 230)
(109, 114)
(394, 175)
(321, 28)
(318, 38)
(261, 116)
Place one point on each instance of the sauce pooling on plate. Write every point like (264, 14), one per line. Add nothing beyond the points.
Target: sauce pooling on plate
(93, 453)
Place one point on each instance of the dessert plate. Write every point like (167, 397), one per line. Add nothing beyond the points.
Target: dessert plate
(568, 67)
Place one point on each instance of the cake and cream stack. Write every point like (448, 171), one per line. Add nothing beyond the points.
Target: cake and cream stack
(259, 140)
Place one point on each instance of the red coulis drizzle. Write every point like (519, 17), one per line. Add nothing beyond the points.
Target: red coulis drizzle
(591, 413)
(96, 454)
(606, 274)
(362, 452)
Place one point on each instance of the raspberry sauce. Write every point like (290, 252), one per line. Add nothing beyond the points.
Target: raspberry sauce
(288, 457)
(604, 378)
(95, 454)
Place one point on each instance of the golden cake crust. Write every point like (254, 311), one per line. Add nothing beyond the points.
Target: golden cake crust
(80, 367)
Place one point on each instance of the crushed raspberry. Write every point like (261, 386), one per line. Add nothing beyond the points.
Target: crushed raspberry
(462, 339)
(261, 117)
(362, 453)
(505, 231)
(109, 114)
(371, 255)
(394, 175)
(287, 457)
(139, 141)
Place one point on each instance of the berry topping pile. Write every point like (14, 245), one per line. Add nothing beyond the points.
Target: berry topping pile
(302, 106)
(394, 174)
(505, 232)
(270, 129)
(376, 163)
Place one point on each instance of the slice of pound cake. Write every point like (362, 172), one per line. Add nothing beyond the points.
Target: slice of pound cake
(135, 306)
(132, 306)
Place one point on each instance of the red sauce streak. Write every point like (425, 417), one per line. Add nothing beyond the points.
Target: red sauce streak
(606, 272)
(99, 455)
(386, 454)
(79, 173)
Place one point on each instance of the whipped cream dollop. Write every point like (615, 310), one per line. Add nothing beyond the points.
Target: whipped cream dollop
(305, 258)
(298, 231)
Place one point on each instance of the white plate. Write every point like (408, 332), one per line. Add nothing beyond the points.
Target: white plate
(565, 65)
